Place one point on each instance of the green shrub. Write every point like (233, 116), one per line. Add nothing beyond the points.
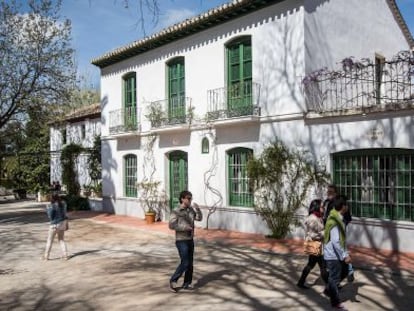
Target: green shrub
(281, 179)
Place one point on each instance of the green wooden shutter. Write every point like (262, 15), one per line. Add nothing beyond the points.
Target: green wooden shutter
(176, 91)
(178, 176)
(239, 84)
(130, 102)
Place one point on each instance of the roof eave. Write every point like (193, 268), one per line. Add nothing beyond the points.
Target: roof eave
(186, 28)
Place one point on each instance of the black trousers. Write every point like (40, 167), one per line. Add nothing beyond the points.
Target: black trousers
(312, 261)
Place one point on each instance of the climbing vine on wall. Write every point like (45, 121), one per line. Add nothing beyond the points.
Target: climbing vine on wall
(68, 160)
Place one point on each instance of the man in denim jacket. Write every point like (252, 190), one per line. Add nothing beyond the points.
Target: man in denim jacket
(182, 221)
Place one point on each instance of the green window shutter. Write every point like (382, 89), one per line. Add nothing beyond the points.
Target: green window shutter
(130, 175)
(378, 182)
(130, 101)
(178, 176)
(176, 91)
(240, 193)
(239, 73)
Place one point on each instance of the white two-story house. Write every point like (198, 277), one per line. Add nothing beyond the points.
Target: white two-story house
(80, 127)
(188, 105)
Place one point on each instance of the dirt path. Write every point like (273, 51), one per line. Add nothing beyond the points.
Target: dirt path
(115, 267)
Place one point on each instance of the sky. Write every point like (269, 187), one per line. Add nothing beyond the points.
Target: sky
(99, 26)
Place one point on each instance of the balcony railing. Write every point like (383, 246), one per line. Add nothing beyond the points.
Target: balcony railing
(123, 120)
(169, 112)
(384, 85)
(237, 100)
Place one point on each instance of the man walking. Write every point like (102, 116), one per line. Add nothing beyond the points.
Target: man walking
(335, 251)
(331, 194)
(182, 221)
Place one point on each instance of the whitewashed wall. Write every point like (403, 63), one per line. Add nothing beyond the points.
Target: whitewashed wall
(73, 135)
(337, 29)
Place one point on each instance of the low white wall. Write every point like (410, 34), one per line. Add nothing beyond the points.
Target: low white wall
(95, 204)
(381, 234)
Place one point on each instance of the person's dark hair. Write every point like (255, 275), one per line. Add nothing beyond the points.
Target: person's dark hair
(55, 198)
(183, 194)
(315, 206)
(333, 186)
(339, 202)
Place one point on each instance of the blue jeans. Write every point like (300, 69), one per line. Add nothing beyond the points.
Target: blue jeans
(335, 269)
(186, 251)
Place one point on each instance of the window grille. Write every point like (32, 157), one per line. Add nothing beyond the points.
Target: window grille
(378, 183)
(240, 193)
(130, 165)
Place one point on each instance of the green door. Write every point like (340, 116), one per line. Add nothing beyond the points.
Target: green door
(239, 83)
(178, 176)
(176, 92)
(130, 102)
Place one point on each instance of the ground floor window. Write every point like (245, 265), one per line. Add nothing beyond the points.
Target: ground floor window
(130, 169)
(240, 193)
(378, 182)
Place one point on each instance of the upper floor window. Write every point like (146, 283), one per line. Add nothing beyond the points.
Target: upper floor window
(176, 90)
(239, 190)
(379, 183)
(64, 136)
(130, 175)
(205, 145)
(83, 131)
(130, 100)
(239, 75)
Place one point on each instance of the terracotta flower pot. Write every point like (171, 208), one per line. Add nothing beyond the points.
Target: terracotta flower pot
(150, 217)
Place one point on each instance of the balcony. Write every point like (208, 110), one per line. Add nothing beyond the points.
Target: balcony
(238, 101)
(123, 121)
(362, 87)
(172, 113)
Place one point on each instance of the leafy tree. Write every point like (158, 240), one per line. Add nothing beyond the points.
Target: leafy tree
(281, 179)
(83, 94)
(36, 58)
(68, 159)
(35, 156)
(94, 161)
(27, 153)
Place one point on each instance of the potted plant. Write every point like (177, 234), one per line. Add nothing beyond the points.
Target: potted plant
(96, 190)
(152, 199)
(86, 190)
(43, 193)
(155, 114)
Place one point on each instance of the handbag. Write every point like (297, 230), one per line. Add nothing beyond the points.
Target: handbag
(63, 225)
(313, 248)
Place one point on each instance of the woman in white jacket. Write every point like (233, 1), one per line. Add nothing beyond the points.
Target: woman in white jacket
(314, 230)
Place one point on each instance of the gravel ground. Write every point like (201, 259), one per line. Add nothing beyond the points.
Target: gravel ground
(114, 267)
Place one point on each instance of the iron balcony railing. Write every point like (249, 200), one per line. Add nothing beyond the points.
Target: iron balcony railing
(237, 100)
(167, 112)
(363, 84)
(124, 120)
